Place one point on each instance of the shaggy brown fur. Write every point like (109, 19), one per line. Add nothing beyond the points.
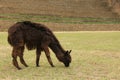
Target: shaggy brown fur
(35, 36)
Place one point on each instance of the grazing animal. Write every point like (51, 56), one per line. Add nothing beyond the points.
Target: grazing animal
(35, 36)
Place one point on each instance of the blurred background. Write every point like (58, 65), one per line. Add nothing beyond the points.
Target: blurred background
(63, 15)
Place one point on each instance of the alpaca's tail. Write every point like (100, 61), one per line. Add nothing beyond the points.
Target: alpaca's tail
(10, 41)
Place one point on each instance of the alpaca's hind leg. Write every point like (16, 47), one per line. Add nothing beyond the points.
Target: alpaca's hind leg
(21, 56)
(47, 52)
(14, 56)
(38, 53)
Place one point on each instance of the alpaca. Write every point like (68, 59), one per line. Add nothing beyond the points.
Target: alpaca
(35, 36)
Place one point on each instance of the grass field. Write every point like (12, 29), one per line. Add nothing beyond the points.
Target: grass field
(57, 23)
(95, 56)
(58, 19)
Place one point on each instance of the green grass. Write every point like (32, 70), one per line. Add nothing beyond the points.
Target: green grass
(58, 19)
(95, 56)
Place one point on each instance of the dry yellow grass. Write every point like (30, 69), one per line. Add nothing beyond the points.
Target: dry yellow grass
(95, 56)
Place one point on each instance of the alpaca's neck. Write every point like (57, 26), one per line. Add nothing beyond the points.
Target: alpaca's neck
(58, 50)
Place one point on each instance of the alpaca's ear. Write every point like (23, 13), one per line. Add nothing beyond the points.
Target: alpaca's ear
(69, 51)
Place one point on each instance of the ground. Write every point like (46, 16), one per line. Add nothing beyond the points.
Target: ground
(95, 56)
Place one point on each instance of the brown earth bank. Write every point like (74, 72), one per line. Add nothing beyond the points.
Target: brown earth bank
(68, 8)
(114, 5)
(70, 27)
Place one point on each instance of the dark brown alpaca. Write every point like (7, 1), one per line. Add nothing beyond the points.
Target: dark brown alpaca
(35, 36)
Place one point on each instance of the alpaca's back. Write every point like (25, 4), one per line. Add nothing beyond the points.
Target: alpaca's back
(31, 34)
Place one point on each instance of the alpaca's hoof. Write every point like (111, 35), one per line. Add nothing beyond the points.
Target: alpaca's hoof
(19, 68)
(26, 66)
(53, 66)
(38, 66)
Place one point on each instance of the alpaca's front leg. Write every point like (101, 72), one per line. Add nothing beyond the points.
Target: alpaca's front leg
(47, 52)
(38, 53)
(21, 50)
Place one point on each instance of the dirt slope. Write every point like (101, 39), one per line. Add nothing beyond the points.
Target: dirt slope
(71, 8)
